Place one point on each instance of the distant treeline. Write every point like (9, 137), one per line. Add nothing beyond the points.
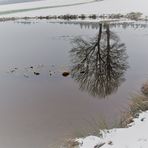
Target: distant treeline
(130, 16)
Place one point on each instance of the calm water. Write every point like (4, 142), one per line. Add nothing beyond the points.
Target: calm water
(37, 111)
(2, 2)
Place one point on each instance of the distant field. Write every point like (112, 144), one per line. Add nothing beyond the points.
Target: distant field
(42, 7)
(63, 7)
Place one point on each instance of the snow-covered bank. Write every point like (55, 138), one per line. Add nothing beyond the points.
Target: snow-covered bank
(40, 8)
(135, 136)
(56, 7)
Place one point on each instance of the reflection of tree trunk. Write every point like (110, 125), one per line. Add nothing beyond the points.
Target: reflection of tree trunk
(108, 59)
(108, 38)
(98, 57)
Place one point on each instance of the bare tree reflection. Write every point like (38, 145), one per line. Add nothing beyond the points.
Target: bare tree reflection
(99, 64)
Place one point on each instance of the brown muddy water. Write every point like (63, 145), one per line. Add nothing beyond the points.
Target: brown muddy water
(39, 107)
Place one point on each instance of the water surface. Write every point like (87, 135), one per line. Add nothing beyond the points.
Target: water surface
(37, 111)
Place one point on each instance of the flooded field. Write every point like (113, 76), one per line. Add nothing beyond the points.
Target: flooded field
(58, 79)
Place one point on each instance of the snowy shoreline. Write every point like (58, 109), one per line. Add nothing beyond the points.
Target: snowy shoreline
(132, 131)
(135, 136)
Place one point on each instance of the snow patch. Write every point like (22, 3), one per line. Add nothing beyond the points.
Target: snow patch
(88, 7)
(135, 136)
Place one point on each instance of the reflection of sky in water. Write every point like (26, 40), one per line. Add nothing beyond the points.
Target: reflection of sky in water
(38, 110)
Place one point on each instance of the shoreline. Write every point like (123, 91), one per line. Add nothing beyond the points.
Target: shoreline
(133, 136)
(92, 18)
(131, 131)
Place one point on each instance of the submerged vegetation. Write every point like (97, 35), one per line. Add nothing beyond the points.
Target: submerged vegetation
(138, 103)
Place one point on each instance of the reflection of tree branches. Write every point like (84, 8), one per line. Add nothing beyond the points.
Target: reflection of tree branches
(100, 63)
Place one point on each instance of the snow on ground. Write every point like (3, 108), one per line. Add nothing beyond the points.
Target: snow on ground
(56, 7)
(135, 136)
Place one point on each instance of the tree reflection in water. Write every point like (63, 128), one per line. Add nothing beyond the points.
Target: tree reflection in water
(99, 64)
